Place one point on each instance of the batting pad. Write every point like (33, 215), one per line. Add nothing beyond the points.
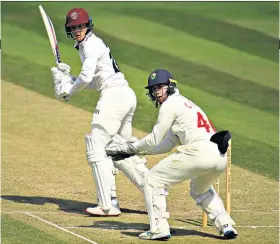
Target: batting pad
(102, 171)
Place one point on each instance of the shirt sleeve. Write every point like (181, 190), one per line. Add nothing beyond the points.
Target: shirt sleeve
(166, 145)
(92, 53)
(165, 120)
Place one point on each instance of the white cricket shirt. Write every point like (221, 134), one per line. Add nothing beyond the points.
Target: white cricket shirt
(178, 118)
(99, 68)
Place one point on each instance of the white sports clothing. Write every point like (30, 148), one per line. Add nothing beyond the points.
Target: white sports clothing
(197, 158)
(65, 68)
(229, 232)
(62, 82)
(57, 75)
(98, 211)
(113, 113)
(101, 167)
(99, 69)
(133, 167)
(183, 118)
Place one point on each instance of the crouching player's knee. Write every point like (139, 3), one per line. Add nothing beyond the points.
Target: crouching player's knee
(134, 168)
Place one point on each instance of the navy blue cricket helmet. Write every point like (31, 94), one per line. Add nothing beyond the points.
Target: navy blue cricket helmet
(157, 77)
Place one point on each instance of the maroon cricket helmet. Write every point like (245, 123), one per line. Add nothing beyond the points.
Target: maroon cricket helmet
(76, 16)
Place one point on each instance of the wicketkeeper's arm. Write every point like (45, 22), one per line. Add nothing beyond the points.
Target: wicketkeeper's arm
(167, 144)
(164, 122)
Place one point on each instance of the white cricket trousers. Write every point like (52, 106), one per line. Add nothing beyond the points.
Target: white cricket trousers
(201, 162)
(113, 114)
(114, 111)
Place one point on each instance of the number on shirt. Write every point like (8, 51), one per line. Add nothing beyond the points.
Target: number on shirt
(114, 62)
(201, 122)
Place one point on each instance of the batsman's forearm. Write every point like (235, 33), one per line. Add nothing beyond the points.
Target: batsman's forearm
(78, 85)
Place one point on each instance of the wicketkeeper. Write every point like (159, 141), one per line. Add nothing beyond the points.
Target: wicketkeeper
(201, 157)
(115, 108)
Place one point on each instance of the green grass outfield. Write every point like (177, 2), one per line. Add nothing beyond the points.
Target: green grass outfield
(224, 55)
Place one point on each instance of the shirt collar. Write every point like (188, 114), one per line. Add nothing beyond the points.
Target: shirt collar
(176, 93)
(77, 44)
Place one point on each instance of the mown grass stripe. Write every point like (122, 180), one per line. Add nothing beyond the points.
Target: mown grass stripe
(253, 155)
(35, 48)
(265, 26)
(187, 47)
(190, 48)
(15, 231)
(237, 37)
(60, 228)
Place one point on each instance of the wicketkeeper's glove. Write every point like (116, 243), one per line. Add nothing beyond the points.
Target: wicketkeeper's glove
(123, 148)
(118, 148)
(121, 156)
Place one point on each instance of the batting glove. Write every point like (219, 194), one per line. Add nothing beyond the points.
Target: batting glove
(65, 68)
(57, 75)
(62, 90)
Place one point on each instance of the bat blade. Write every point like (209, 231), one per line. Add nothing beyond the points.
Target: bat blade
(51, 34)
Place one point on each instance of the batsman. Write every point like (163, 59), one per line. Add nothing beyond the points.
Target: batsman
(113, 113)
(200, 157)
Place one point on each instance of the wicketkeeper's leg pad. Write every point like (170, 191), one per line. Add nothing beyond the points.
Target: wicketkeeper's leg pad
(155, 199)
(213, 205)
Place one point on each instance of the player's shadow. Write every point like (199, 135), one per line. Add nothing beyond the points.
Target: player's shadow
(63, 204)
(134, 229)
(194, 222)
(116, 225)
